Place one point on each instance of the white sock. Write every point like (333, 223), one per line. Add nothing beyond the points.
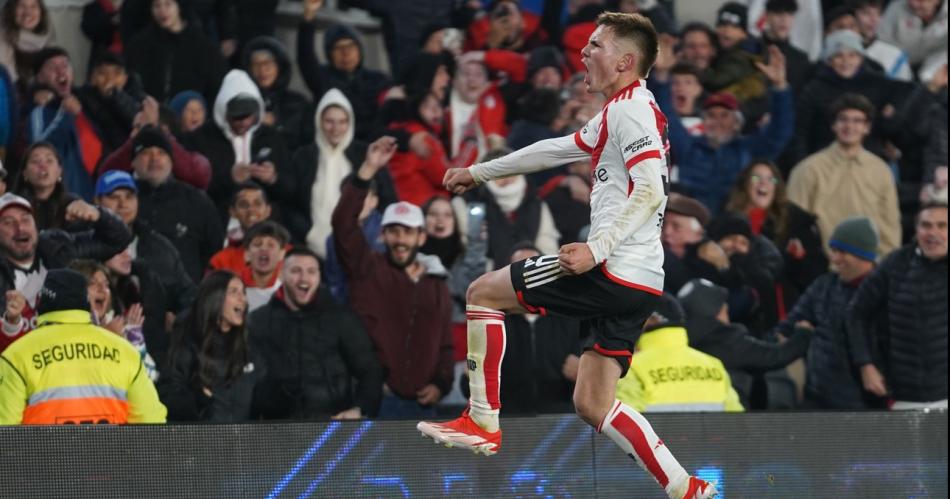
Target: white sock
(632, 433)
(486, 348)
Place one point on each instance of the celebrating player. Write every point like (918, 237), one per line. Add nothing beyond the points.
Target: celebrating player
(613, 281)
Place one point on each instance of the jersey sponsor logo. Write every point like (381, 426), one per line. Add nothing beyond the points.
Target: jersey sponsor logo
(638, 144)
(676, 374)
(74, 351)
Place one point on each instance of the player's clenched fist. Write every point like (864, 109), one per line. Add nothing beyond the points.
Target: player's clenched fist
(576, 258)
(458, 180)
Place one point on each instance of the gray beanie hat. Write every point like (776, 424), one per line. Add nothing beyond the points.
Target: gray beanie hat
(856, 235)
(840, 41)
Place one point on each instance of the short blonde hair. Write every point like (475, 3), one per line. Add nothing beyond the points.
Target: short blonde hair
(636, 29)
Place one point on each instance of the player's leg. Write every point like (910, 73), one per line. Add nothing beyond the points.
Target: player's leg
(595, 403)
(488, 298)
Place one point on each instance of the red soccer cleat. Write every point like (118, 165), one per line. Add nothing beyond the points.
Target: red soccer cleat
(462, 432)
(700, 489)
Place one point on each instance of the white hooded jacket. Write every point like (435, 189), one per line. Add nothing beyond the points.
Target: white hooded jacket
(238, 83)
(332, 167)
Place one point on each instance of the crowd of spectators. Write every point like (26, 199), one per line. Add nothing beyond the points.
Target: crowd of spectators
(282, 254)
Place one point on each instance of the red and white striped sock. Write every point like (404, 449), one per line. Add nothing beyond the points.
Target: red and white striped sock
(634, 435)
(486, 348)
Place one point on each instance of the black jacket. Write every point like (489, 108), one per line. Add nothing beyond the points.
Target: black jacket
(171, 62)
(362, 87)
(534, 355)
(164, 260)
(182, 214)
(813, 117)
(292, 111)
(56, 248)
(210, 141)
(743, 355)
(112, 115)
(832, 381)
(295, 210)
(799, 273)
(504, 231)
(144, 287)
(181, 390)
(912, 291)
(320, 359)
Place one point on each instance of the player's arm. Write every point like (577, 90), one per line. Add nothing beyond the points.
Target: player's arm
(535, 157)
(642, 149)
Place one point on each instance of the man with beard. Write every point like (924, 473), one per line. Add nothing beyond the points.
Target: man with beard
(302, 326)
(401, 296)
(26, 255)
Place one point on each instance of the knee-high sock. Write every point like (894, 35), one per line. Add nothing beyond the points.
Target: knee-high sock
(486, 348)
(632, 433)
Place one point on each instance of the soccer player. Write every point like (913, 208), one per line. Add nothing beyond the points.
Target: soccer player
(614, 280)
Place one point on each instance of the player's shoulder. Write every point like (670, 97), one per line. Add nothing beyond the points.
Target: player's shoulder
(635, 103)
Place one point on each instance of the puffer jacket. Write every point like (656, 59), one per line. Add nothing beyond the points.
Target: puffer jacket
(911, 289)
(321, 359)
(832, 382)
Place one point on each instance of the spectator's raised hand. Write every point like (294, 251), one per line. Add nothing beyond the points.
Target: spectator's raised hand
(666, 57)
(775, 69)
(310, 8)
(377, 156)
(135, 316)
(81, 211)
(72, 105)
(16, 302)
(713, 254)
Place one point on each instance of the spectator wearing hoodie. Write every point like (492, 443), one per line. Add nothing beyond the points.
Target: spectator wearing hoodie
(344, 50)
(57, 117)
(322, 363)
(239, 145)
(266, 60)
(172, 54)
(744, 356)
(319, 169)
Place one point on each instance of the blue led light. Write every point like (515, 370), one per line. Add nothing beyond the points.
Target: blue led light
(714, 475)
(388, 481)
(350, 443)
(449, 478)
(304, 459)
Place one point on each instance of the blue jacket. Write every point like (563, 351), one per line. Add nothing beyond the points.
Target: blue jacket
(51, 123)
(707, 173)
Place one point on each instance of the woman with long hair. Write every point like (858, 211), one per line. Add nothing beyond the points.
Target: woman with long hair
(212, 373)
(41, 183)
(759, 196)
(25, 29)
(108, 313)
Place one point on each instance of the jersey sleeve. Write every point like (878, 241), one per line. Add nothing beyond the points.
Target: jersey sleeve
(639, 130)
(539, 156)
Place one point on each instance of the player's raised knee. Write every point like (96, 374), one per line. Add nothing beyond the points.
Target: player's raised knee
(588, 408)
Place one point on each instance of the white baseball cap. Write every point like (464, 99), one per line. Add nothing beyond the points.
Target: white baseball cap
(10, 199)
(403, 213)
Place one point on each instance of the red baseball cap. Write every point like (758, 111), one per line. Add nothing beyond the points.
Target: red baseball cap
(721, 99)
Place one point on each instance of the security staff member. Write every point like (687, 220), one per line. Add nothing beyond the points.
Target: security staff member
(69, 371)
(666, 375)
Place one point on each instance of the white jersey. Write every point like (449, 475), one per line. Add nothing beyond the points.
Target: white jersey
(627, 145)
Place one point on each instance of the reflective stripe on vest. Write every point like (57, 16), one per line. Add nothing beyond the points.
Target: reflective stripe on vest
(87, 404)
